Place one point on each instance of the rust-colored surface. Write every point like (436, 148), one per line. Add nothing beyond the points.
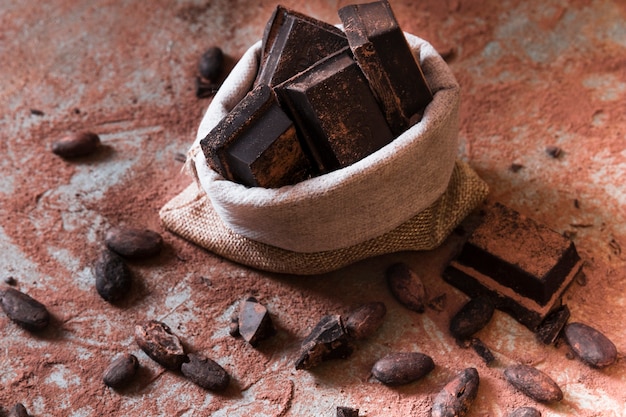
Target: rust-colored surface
(533, 74)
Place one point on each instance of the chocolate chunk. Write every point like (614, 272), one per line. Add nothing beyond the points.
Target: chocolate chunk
(18, 410)
(254, 322)
(347, 412)
(121, 371)
(482, 350)
(382, 52)
(159, 343)
(76, 144)
(363, 321)
(533, 383)
(256, 144)
(335, 112)
(328, 340)
(590, 346)
(24, 310)
(406, 286)
(292, 42)
(473, 316)
(456, 398)
(551, 327)
(113, 277)
(402, 368)
(525, 412)
(524, 266)
(205, 373)
(134, 243)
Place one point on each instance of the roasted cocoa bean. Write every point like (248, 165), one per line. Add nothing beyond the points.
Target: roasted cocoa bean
(456, 398)
(121, 371)
(590, 346)
(76, 144)
(525, 412)
(363, 321)
(24, 310)
(533, 383)
(159, 343)
(254, 323)
(18, 410)
(134, 243)
(406, 286)
(211, 63)
(402, 368)
(205, 372)
(328, 340)
(472, 317)
(113, 277)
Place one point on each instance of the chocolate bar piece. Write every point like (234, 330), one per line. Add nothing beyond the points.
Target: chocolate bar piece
(335, 112)
(382, 52)
(524, 266)
(292, 42)
(256, 144)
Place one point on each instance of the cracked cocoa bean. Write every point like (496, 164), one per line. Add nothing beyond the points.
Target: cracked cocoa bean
(456, 398)
(533, 383)
(159, 343)
(134, 243)
(24, 310)
(590, 346)
(205, 372)
(402, 368)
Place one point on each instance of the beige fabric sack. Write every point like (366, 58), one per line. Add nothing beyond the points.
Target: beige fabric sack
(409, 195)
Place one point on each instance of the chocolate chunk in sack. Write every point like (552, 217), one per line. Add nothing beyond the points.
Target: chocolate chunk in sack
(335, 112)
(401, 368)
(347, 412)
(384, 56)
(406, 286)
(473, 316)
(113, 277)
(256, 144)
(205, 373)
(121, 371)
(524, 266)
(24, 310)
(590, 346)
(456, 398)
(159, 343)
(533, 383)
(134, 243)
(551, 327)
(254, 321)
(525, 412)
(328, 340)
(363, 321)
(292, 42)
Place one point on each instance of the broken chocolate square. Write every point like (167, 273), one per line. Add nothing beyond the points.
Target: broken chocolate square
(292, 42)
(256, 144)
(524, 266)
(382, 52)
(335, 112)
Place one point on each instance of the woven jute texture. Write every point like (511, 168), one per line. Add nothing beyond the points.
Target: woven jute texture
(191, 215)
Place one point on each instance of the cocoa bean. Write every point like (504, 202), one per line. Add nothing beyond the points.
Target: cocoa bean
(363, 321)
(525, 412)
(134, 243)
(24, 310)
(205, 372)
(211, 63)
(121, 371)
(18, 410)
(406, 286)
(590, 346)
(159, 343)
(328, 340)
(456, 398)
(113, 277)
(472, 317)
(533, 383)
(76, 144)
(402, 368)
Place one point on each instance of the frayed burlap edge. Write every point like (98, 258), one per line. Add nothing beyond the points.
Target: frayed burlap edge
(191, 215)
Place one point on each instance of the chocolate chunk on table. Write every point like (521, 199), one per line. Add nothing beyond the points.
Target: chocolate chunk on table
(335, 112)
(256, 144)
(524, 266)
(292, 42)
(382, 52)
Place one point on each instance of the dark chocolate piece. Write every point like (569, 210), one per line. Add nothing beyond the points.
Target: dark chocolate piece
(292, 42)
(382, 52)
(328, 340)
(256, 144)
(550, 329)
(255, 323)
(335, 111)
(524, 266)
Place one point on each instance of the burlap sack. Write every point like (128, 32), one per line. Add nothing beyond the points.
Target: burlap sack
(409, 195)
